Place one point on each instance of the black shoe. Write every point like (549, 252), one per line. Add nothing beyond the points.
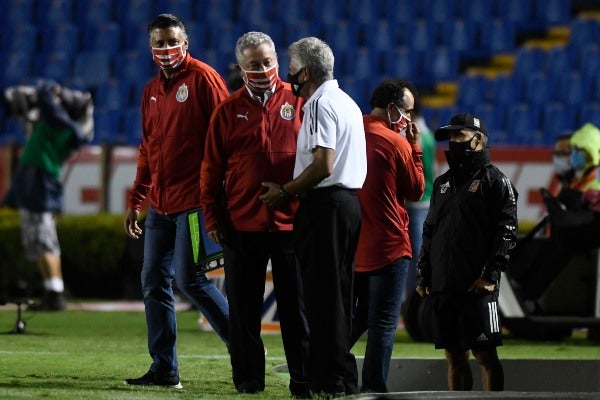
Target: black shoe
(152, 378)
(249, 387)
(51, 301)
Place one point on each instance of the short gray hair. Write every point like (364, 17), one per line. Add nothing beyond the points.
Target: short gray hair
(251, 40)
(316, 55)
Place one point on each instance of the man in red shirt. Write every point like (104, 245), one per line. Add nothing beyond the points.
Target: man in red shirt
(252, 139)
(176, 108)
(394, 175)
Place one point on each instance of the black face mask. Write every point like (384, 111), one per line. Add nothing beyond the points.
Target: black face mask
(296, 86)
(460, 150)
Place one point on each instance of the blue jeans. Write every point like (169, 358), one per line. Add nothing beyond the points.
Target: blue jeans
(416, 218)
(376, 308)
(168, 256)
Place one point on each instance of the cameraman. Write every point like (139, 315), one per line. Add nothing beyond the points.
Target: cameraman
(60, 121)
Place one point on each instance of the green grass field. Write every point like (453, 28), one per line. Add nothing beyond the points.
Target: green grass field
(87, 355)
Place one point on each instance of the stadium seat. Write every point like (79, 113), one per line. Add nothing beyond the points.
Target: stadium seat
(589, 112)
(55, 11)
(131, 119)
(57, 65)
(401, 61)
(559, 62)
(477, 10)
(518, 11)
(537, 89)
(492, 117)
(552, 12)
(16, 67)
(472, 90)
(107, 128)
(135, 37)
(93, 11)
(437, 10)
(459, 35)
(503, 90)
(557, 119)
(111, 95)
(136, 12)
(341, 36)
(572, 88)
(419, 34)
(17, 12)
(59, 37)
(441, 64)
(19, 37)
(181, 8)
(104, 36)
(92, 68)
(379, 35)
(498, 36)
(362, 12)
(523, 124)
(590, 61)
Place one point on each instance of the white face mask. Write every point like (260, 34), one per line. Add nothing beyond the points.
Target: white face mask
(260, 81)
(400, 124)
(168, 57)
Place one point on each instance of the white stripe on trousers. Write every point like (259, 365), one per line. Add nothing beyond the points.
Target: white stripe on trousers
(494, 321)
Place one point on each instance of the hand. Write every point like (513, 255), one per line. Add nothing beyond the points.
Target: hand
(272, 197)
(412, 133)
(131, 223)
(215, 235)
(482, 286)
(422, 290)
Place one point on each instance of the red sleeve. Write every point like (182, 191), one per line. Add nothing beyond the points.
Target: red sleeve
(212, 171)
(143, 180)
(411, 184)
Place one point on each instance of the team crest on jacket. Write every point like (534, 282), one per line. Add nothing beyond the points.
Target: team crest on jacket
(182, 93)
(474, 185)
(444, 187)
(287, 111)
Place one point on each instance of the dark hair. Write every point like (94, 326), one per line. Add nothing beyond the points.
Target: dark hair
(391, 91)
(164, 21)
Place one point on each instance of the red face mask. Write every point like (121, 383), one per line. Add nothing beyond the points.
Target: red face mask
(168, 57)
(260, 81)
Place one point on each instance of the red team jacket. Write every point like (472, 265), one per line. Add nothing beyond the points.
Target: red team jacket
(175, 117)
(394, 174)
(247, 144)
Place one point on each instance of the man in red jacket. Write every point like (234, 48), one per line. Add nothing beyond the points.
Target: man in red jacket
(394, 175)
(176, 109)
(252, 139)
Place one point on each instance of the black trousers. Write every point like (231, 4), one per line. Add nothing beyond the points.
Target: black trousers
(246, 257)
(327, 226)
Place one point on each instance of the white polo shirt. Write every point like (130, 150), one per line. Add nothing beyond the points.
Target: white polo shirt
(334, 121)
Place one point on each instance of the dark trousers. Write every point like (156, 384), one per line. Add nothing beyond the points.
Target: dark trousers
(327, 225)
(246, 258)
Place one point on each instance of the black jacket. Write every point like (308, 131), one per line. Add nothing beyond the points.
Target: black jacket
(471, 226)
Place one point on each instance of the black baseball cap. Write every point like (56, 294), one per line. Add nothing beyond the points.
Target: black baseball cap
(458, 122)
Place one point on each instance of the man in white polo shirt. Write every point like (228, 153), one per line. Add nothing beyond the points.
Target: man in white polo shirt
(330, 164)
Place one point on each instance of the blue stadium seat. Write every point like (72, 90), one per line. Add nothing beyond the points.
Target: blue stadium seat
(363, 12)
(558, 62)
(380, 35)
(93, 11)
(295, 30)
(419, 34)
(111, 95)
(590, 62)
(57, 65)
(518, 11)
(583, 32)
(557, 119)
(341, 36)
(17, 12)
(198, 37)
(135, 65)
(402, 62)
(19, 37)
(107, 127)
(503, 90)
(498, 36)
(437, 10)
(523, 124)
(595, 87)
(573, 88)
(552, 12)
(55, 11)
(181, 8)
(589, 112)
(477, 10)
(92, 68)
(208, 11)
(472, 90)
(16, 67)
(527, 61)
(224, 35)
(441, 64)
(62, 36)
(104, 36)
(492, 117)
(135, 37)
(459, 35)
(537, 89)
(136, 12)
(132, 125)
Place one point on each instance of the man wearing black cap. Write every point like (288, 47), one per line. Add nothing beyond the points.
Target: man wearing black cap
(470, 229)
